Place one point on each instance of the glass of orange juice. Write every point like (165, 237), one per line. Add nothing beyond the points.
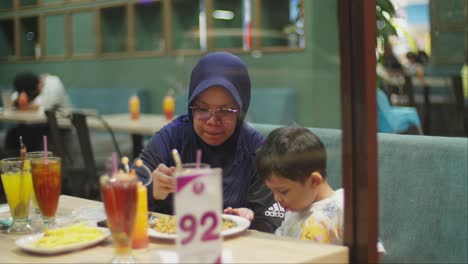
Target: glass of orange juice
(16, 179)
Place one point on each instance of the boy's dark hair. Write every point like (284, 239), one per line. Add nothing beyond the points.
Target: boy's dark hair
(291, 152)
(27, 82)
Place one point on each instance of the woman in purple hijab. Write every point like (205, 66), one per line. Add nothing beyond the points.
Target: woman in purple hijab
(219, 97)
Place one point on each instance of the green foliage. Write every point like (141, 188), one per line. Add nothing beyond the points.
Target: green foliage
(384, 11)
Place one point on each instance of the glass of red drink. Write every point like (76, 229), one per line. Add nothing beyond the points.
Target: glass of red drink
(47, 182)
(119, 194)
(29, 156)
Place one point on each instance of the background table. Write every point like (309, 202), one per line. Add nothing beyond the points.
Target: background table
(146, 125)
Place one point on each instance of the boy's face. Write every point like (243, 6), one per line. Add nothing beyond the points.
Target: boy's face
(292, 195)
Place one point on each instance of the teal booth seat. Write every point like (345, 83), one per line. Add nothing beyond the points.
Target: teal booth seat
(267, 105)
(423, 193)
(395, 119)
(108, 100)
(272, 106)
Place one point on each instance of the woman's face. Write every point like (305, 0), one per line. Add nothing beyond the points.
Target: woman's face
(216, 125)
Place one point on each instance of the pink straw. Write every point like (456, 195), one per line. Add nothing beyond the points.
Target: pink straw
(114, 164)
(198, 158)
(44, 137)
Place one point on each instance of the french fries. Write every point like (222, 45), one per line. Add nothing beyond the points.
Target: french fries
(167, 224)
(68, 235)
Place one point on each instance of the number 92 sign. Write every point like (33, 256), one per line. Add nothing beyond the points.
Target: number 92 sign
(198, 204)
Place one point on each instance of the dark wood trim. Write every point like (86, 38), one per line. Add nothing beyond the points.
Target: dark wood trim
(359, 123)
(97, 31)
(53, 58)
(281, 49)
(41, 31)
(167, 26)
(130, 22)
(43, 4)
(210, 35)
(68, 35)
(17, 27)
(257, 41)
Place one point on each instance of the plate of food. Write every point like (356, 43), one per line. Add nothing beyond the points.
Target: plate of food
(165, 226)
(63, 239)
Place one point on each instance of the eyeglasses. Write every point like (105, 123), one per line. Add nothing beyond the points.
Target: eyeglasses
(222, 114)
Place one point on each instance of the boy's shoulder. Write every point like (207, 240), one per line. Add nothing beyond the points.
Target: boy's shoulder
(337, 197)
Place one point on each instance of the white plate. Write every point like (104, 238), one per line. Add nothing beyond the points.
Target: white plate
(241, 225)
(26, 243)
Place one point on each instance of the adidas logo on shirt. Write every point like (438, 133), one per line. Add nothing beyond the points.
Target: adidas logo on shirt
(275, 211)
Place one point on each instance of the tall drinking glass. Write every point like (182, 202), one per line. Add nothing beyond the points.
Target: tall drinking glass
(29, 156)
(16, 179)
(119, 195)
(47, 178)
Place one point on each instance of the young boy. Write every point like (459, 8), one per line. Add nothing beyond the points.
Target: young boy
(292, 163)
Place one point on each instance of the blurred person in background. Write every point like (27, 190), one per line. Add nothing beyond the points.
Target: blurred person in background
(44, 92)
(416, 63)
(41, 92)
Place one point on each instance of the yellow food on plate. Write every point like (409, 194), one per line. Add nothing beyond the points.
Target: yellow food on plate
(228, 223)
(167, 224)
(68, 235)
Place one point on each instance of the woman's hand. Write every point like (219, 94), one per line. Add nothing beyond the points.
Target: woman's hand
(163, 181)
(242, 212)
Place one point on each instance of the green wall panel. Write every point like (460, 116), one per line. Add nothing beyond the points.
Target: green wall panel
(274, 19)
(83, 38)
(24, 3)
(448, 32)
(6, 38)
(6, 4)
(55, 35)
(449, 11)
(448, 46)
(148, 26)
(29, 35)
(185, 24)
(113, 29)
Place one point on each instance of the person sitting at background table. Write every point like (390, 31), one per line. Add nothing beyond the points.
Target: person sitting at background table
(219, 97)
(45, 91)
(42, 92)
(292, 163)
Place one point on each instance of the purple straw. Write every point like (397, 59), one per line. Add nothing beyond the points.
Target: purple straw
(198, 158)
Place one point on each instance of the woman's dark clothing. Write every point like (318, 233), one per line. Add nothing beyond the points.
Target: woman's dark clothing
(240, 185)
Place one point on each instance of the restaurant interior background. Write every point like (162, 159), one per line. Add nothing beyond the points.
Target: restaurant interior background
(114, 44)
(290, 45)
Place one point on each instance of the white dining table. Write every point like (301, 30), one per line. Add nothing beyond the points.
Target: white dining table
(249, 246)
